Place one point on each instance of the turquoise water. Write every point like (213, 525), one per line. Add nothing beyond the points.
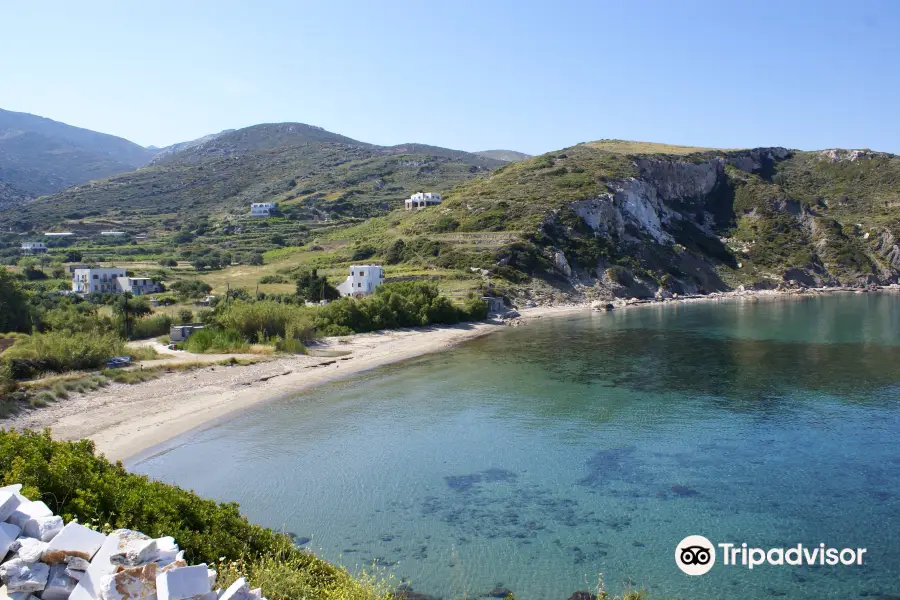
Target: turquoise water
(542, 456)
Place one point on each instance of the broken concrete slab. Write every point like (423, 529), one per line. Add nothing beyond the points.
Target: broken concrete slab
(88, 587)
(26, 511)
(43, 528)
(239, 590)
(7, 540)
(77, 563)
(6, 595)
(130, 583)
(59, 584)
(74, 540)
(9, 501)
(256, 594)
(182, 583)
(29, 550)
(20, 576)
(11, 531)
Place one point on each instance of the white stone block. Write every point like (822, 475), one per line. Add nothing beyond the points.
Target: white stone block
(77, 563)
(6, 539)
(26, 511)
(88, 587)
(206, 596)
(130, 583)
(59, 584)
(211, 575)
(256, 594)
(23, 577)
(5, 595)
(134, 552)
(9, 501)
(182, 583)
(74, 540)
(74, 574)
(167, 550)
(43, 528)
(239, 590)
(29, 549)
(11, 531)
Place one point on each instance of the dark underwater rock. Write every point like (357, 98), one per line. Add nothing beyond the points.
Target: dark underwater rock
(583, 595)
(683, 490)
(497, 592)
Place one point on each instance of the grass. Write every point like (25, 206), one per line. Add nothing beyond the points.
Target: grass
(632, 147)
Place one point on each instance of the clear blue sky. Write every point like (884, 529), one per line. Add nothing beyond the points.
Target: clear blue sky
(529, 76)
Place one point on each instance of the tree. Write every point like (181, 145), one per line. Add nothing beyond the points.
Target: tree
(313, 288)
(185, 316)
(13, 304)
(191, 288)
(72, 256)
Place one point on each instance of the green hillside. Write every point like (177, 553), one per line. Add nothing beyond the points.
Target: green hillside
(602, 219)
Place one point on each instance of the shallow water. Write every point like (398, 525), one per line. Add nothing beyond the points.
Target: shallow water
(542, 456)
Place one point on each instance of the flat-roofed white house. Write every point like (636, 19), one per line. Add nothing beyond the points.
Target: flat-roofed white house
(362, 281)
(34, 247)
(113, 233)
(421, 200)
(104, 280)
(111, 280)
(138, 286)
(262, 209)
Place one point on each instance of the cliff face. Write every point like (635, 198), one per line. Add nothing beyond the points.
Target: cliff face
(712, 222)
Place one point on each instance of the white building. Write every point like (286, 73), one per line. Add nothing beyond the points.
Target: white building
(262, 209)
(138, 286)
(112, 233)
(34, 247)
(58, 234)
(98, 279)
(110, 280)
(362, 281)
(422, 200)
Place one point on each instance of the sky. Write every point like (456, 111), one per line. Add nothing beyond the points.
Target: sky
(472, 75)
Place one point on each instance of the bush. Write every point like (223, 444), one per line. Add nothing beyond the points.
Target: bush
(76, 484)
(13, 304)
(272, 279)
(61, 351)
(215, 340)
(150, 327)
(312, 287)
(185, 316)
(191, 288)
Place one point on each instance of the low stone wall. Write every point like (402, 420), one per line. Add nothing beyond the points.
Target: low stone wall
(44, 558)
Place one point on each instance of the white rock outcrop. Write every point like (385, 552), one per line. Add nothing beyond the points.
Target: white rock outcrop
(46, 560)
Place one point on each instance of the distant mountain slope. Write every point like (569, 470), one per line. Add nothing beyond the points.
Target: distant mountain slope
(40, 156)
(504, 155)
(11, 196)
(294, 164)
(162, 153)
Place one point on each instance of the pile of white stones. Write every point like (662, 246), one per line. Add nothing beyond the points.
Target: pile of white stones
(46, 559)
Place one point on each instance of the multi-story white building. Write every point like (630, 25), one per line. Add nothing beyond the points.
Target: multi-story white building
(110, 280)
(34, 247)
(97, 279)
(421, 200)
(262, 209)
(362, 281)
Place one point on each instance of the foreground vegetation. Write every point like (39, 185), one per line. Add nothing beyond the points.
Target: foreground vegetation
(77, 484)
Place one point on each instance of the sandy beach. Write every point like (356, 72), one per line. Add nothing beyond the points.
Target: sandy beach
(127, 420)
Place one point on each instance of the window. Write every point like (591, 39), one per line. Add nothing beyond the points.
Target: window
(359, 284)
(96, 276)
(361, 274)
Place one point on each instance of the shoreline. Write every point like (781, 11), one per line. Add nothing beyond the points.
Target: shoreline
(130, 422)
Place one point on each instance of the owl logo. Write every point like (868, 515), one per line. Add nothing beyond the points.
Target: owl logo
(695, 555)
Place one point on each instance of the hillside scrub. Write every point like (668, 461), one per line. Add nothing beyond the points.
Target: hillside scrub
(393, 305)
(77, 484)
(60, 351)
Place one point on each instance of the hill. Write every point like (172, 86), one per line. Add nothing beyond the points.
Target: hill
(601, 219)
(503, 155)
(161, 153)
(40, 156)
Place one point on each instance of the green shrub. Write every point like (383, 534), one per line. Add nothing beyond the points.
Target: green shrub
(150, 327)
(191, 288)
(76, 484)
(185, 315)
(265, 316)
(61, 351)
(60, 391)
(215, 340)
(42, 399)
(272, 279)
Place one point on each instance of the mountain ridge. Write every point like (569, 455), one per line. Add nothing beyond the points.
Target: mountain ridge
(40, 156)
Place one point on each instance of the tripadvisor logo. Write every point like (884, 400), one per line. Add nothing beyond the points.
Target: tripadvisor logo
(696, 555)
